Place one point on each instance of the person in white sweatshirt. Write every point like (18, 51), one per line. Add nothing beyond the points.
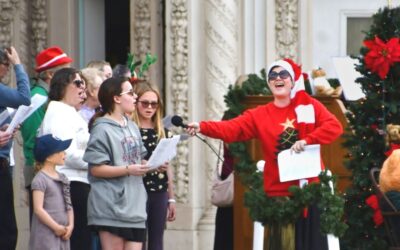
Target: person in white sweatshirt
(66, 95)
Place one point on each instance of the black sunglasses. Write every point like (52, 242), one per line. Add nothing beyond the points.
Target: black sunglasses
(283, 74)
(79, 83)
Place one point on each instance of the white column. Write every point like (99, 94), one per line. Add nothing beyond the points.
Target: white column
(254, 38)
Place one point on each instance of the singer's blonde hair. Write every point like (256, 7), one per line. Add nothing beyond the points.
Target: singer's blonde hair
(140, 88)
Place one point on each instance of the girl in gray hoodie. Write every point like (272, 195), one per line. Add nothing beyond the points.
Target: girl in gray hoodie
(117, 199)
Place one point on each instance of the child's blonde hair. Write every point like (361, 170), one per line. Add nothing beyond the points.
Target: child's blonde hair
(140, 88)
(38, 166)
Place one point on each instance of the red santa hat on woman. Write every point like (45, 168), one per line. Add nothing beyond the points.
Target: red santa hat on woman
(50, 58)
(294, 71)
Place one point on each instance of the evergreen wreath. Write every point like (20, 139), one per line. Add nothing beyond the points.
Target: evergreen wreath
(283, 210)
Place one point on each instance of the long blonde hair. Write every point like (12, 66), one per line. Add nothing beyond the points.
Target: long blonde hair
(140, 88)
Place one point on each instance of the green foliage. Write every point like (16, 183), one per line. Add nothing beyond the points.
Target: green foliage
(281, 210)
(133, 64)
(367, 118)
(149, 60)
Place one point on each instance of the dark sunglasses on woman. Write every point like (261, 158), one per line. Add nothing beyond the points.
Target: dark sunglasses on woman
(147, 104)
(79, 83)
(283, 74)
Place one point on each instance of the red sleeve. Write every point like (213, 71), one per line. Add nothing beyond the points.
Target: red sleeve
(240, 128)
(328, 127)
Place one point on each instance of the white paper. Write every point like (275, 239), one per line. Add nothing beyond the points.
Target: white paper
(296, 166)
(164, 152)
(24, 112)
(347, 74)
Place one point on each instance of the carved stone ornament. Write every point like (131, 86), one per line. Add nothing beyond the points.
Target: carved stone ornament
(7, 10)
(142, 29)
(287, 29)
(39, 26)
(179, 91)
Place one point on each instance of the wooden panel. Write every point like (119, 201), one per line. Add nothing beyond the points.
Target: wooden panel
(333, 156)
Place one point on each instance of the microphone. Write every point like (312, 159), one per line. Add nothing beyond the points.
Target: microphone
(177, 121)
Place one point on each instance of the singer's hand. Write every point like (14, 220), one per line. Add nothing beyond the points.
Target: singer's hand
(193, 128)
(298, 146)
(4, 138)
(137, 169)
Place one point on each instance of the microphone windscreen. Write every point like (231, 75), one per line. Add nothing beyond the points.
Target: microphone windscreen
(176, 120)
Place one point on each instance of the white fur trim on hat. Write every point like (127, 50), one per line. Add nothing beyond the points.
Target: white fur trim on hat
(52, 60)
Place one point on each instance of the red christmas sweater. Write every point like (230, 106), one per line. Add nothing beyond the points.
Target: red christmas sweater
(273, 126)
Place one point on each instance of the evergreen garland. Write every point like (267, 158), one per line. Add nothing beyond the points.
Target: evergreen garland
(268, 210)
(367, 120)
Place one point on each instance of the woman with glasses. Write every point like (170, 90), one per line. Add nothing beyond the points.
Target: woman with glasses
(291, 121)
(158, 183)
(66, 96)
(117, 199)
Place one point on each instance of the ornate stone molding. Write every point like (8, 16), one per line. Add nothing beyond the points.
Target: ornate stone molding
(221, 64)
(179, 90)
(142, 29)
(7, 10)
(39, 26)
(287, 29)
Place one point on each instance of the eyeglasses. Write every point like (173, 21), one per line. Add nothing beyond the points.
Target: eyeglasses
(129, 92)
(147, 104)
(79, 83)
(283, 74)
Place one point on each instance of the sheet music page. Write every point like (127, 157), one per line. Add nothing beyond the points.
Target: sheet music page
(24, 112)
(296, 166)
(164, 152)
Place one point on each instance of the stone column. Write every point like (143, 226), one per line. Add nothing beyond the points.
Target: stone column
(147, 36)
(221, 71)
(287, 29)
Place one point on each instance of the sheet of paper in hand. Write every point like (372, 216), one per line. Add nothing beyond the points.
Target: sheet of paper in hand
(296, 166)
(164, 152)
(24, 112)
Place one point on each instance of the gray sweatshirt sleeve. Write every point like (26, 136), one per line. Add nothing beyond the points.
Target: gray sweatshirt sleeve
(97, 151)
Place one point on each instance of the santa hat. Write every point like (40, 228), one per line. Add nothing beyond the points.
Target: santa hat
(50, 58)
(294, 71)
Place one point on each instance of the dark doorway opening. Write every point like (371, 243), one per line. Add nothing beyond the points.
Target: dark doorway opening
(117, 31)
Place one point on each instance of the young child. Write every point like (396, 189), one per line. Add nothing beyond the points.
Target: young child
(53, 218)
(158, 183)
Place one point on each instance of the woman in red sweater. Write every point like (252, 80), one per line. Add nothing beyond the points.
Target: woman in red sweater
(293, 120)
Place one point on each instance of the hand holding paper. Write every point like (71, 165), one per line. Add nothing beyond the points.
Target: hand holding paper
(296, 166)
